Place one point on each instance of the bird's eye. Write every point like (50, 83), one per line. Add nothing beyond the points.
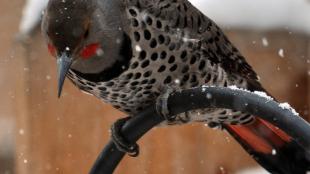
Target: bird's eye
(89, 50)
(51, 49)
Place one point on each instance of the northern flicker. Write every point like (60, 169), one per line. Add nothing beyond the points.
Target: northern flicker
(125, 52)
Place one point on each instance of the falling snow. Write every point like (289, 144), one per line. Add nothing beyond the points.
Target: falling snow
(265, 42)
(99, 52)
(274, 152)
(138, 48)
(209, 96)
(281, 53)
(177, 81)
(21, 132)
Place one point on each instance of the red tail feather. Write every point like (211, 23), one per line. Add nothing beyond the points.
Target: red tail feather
(262, 136)
(271, 147)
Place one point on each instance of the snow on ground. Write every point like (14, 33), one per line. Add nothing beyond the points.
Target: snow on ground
(254, 14)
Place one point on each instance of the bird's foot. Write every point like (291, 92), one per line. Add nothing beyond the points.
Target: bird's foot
(121, 143)
(163, 110)
(215, 125)
(162, 104)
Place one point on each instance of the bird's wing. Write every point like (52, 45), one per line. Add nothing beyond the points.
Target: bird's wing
(180, 17)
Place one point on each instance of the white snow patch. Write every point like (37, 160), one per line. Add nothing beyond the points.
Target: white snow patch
(288, 107)
(234, 87)
(260, 93)
(263, 94)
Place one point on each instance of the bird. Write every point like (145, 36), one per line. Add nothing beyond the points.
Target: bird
(132, 53)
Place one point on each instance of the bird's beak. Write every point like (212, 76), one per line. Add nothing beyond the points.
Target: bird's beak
(63, 64)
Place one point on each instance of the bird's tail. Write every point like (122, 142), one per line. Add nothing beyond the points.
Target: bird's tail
(271, 147)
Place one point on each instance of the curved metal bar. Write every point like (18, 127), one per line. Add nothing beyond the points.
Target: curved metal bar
(206, 97)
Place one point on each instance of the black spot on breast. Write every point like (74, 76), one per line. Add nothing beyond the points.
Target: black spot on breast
(145, 64)
(149, 20)
(147, 74)
(110, 84)
(193, 59)
(142, 55)
(102, 88)
(163, 54)
(173, 68)
(171, 59)
(202, 65)
(154, 56)
(159, 25)
(167, 80)
(137, 75)
(136, 36)
(134, 65)
(162, 68)
(152, 81)
(147, 34)
(134, 22)
(161, 39)
(153, 43)
(185, 78)
(129, 76)
(133, 12)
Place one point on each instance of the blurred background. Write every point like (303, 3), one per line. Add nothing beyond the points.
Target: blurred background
(40, 133)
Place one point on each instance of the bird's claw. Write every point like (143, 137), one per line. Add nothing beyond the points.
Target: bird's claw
(162, 104)
(121, 143)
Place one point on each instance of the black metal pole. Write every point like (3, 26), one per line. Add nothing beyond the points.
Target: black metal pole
(207, 97)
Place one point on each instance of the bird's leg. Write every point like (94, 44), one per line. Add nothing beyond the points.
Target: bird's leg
(121, 143)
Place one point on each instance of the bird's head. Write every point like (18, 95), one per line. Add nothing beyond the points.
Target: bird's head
(82, 36)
